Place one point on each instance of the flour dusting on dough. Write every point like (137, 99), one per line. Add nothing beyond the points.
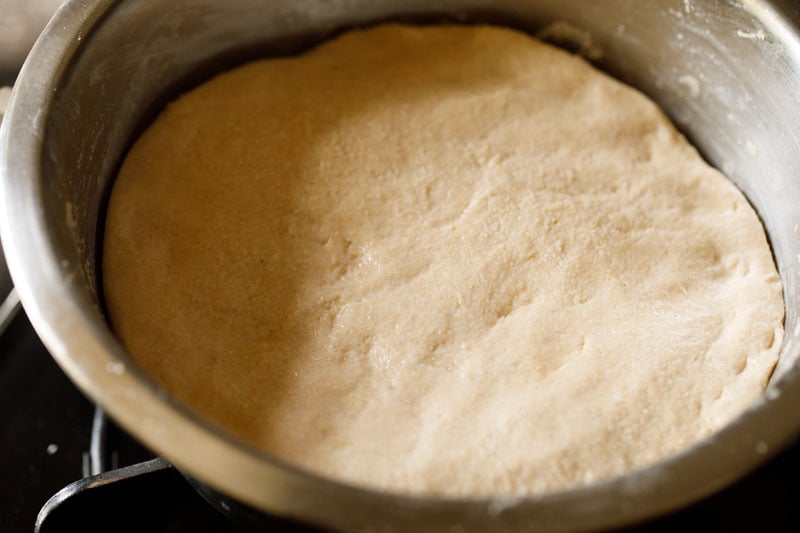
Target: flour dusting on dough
(440, 260)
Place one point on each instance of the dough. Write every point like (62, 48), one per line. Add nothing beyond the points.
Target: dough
(442, 260)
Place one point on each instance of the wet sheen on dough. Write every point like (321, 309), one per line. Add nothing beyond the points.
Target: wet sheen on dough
(445, 260)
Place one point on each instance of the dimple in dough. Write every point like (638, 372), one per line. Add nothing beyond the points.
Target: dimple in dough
(440, 260)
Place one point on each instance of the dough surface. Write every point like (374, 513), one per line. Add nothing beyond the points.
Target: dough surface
(443, 260)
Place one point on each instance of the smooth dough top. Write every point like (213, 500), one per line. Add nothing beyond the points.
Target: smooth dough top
(442, 260)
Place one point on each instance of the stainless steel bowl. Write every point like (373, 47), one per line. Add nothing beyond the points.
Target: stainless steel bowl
(728, 73)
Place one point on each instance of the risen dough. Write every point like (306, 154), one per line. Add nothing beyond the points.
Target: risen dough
(447, 260)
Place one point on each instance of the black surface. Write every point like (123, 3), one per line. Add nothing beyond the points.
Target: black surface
(40, 407)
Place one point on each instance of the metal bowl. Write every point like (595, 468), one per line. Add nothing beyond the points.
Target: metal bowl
(727, 72)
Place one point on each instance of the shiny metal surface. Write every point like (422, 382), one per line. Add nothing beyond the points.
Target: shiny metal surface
(728, 73)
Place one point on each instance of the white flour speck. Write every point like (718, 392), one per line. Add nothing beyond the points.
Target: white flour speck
(772, 393)
(70, 215)
(691, 83)
(500, 504)
(115, 367)
(752, 35)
